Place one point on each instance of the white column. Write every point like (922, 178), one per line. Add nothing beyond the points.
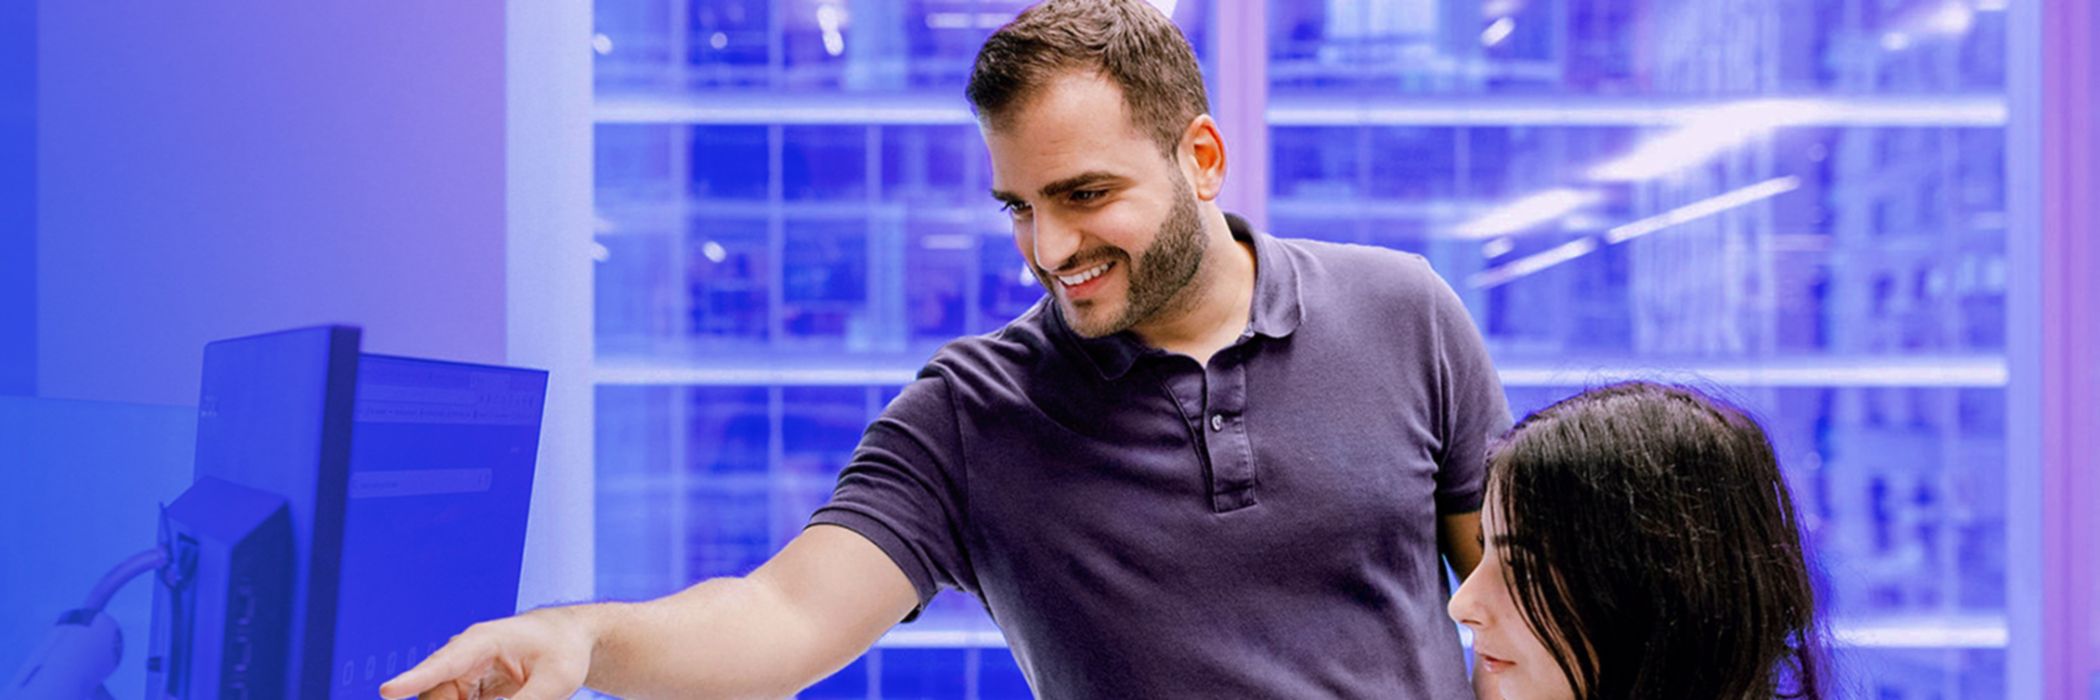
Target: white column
(547, 203)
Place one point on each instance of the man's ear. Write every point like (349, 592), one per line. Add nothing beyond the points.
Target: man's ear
(1203, 157)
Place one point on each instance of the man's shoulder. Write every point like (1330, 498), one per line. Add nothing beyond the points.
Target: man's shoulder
(1350, 269)
(1000, 356)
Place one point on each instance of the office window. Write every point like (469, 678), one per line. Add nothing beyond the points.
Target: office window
(1800, 204)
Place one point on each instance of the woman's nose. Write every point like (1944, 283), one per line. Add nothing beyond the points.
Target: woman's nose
(1464, 607)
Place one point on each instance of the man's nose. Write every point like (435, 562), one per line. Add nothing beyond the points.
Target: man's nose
(1055, 242)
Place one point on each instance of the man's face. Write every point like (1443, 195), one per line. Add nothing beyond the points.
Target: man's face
(1106, 221)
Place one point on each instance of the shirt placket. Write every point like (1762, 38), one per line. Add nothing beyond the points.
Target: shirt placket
(1231, 456)
(1212, 401)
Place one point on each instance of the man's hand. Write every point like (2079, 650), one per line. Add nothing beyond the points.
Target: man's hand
(540, 655)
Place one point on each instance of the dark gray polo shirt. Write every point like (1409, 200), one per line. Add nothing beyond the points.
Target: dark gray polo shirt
(1144, 527)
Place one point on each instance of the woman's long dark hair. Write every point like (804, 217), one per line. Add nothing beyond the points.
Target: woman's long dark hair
(1652, 544)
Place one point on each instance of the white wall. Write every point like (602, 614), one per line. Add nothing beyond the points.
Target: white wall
(213, 168)
(82, 482)
(17, 199)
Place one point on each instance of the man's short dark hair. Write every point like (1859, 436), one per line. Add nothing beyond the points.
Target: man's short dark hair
(1129, 42)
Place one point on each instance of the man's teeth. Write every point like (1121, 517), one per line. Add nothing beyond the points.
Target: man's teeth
(1081, 278)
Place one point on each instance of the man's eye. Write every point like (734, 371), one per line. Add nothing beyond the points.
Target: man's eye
(1087, 195)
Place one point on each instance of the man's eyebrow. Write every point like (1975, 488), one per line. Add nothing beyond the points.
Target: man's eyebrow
(1081, 181)
(1067, 185)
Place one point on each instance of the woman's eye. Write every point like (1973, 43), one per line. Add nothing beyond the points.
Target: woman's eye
(1014, 208)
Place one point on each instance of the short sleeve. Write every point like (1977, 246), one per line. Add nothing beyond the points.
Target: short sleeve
(1475, 411)
(902, 490)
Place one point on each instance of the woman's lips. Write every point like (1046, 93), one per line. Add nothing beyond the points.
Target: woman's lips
(1493, 664)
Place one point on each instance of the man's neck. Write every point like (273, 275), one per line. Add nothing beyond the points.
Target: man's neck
(1213, 310)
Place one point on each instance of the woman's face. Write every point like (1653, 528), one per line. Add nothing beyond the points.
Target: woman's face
(1517, 664)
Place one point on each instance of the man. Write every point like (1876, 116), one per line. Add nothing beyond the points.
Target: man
(1211, 463)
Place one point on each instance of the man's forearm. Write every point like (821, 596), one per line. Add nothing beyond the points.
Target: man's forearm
(725, 637)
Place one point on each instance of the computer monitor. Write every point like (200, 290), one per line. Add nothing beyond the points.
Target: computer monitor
(332, 488)
(441, 464)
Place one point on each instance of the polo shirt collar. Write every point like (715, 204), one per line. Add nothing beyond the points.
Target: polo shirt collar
(1276, 310)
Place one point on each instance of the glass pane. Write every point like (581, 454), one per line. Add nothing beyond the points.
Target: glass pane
(731, 163)
(824, 283)
(824, 163)
(725, 481)
(728, 280)
(1922, 673)
(727, 43)
(634, 548)
(940, 266)
(941, 166)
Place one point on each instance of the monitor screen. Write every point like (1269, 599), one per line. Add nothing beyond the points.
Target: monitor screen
(441, 466)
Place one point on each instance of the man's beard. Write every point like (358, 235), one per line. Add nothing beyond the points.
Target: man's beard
(1157, 279)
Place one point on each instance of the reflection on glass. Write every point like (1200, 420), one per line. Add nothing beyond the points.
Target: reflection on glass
(939, 258)
(1629, 47)
(824, 163)
(730, 163)
(728, 279)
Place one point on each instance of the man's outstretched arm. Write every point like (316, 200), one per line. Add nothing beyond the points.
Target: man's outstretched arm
(817, 604)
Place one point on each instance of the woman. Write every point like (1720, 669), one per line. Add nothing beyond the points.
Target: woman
(1641, 543)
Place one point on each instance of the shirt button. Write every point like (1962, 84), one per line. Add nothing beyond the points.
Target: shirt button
(1217, 421)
